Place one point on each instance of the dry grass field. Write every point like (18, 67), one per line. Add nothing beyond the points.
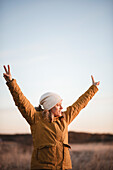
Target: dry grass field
(90, 156)
(14, 156)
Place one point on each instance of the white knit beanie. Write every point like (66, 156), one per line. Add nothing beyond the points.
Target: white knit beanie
(49, 100)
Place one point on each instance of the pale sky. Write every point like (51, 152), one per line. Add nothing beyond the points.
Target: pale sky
(56, 46)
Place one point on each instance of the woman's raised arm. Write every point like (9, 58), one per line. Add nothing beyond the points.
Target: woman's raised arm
(73, 110)
(23, 104)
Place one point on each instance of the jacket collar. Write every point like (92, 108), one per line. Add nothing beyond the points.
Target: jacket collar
(58, 118)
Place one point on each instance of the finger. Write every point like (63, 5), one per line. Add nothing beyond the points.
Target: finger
(98, 82)
(5, 69)
(92, 79)
(9, 69)
(5, 75)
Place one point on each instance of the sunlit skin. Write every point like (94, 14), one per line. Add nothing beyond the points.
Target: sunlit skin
(56, 110)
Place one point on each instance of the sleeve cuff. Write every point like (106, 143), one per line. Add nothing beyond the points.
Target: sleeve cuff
(10, 82)
(95, 88)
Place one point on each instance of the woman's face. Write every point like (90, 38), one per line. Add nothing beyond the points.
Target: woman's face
(56, 110)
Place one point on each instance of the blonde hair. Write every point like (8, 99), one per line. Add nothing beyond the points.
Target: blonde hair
(46, 114)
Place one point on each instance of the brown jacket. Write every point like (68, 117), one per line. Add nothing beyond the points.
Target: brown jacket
(50, 140)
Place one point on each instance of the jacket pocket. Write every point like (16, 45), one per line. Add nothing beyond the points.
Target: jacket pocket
(67, 145)
(66, 150)
(47, 154)
(66, 154)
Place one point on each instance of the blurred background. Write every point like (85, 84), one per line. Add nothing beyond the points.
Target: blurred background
(56, 46)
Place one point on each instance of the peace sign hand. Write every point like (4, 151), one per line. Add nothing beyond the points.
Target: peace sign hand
(93, 82)
(7, 75)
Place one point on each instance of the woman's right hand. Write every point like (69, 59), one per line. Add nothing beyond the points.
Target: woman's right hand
(7, 74)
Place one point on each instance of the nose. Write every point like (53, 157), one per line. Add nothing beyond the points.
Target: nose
(61, 107)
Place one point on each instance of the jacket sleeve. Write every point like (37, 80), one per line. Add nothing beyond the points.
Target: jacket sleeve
(73, 111)
(23, 104)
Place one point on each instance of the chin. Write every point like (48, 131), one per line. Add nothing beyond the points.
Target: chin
(60, 114)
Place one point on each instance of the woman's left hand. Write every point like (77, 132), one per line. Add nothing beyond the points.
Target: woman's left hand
(93, 82)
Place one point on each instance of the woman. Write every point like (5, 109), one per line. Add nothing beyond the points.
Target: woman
(49, 126)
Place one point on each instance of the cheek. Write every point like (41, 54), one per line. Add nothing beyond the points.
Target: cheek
(55, 110)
